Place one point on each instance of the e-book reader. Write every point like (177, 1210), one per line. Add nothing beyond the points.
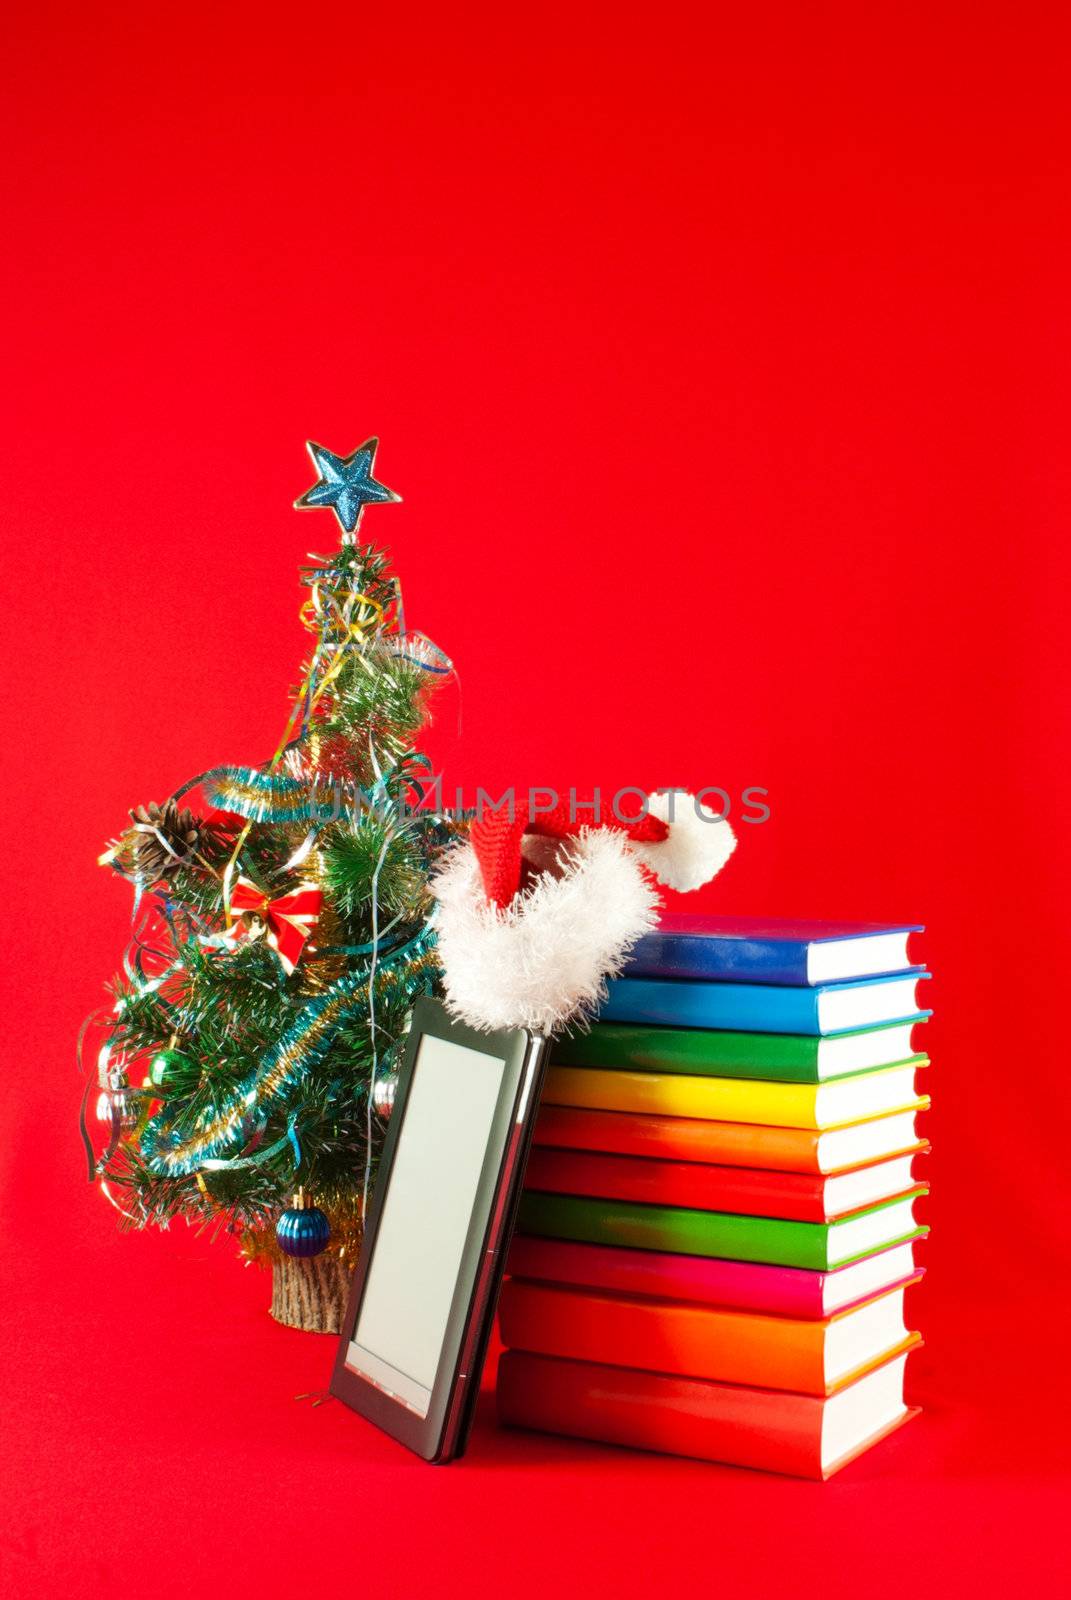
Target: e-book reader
(438, 1227)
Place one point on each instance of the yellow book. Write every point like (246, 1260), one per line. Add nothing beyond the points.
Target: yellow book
(772, 1105)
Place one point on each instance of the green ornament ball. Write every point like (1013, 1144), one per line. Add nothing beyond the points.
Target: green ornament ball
(172, 1071)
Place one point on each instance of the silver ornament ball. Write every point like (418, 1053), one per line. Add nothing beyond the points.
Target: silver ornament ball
(110, 1104)
(383, 1091)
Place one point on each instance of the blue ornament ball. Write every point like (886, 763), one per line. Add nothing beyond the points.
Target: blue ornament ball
(302, 1231)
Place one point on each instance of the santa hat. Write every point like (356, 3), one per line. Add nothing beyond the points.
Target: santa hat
(535, 912)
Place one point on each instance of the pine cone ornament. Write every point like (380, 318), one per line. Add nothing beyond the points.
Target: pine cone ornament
(165, 837)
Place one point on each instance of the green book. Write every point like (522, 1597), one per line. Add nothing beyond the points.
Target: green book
(777, 1057)
(819, 1246)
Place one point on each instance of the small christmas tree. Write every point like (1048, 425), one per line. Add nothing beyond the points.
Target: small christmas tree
(281, 935)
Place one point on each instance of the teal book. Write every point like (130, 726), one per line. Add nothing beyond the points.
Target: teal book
(703, 1052)
(817, 1246)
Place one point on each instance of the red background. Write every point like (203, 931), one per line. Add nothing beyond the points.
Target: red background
(719, 360)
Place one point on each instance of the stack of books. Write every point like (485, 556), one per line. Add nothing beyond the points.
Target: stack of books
(717, 1229)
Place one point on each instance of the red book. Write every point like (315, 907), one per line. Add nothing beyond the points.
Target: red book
(708, 1280)
(804, 1435)
(753, 1191)
(730, 1144)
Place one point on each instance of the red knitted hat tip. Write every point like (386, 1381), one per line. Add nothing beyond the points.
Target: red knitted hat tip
(496, 838)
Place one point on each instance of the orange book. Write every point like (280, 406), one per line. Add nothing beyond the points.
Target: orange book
(699, 1341)
(799, 1434)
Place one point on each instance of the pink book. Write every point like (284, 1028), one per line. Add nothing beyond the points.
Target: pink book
(743, 1285)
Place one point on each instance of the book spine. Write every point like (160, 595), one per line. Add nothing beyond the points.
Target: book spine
(664, 1336)
(756, 1008)
(669, 955)
(734, 1144)
(784, 1057)
(794, 1195)
(792, 1105)
(675, 1416)
(743, 1285)
(696, 1233)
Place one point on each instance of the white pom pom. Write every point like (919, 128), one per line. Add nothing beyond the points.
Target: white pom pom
(546, 956)
(700, 842)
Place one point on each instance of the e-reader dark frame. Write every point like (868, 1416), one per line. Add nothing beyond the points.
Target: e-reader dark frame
(442, 1434)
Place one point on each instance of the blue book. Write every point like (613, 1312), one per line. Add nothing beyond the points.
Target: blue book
(824, 1009)
(766, 950)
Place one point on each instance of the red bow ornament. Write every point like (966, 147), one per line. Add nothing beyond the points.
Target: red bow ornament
(287, 921)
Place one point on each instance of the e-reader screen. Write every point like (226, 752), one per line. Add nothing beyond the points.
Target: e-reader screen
(426, 1215)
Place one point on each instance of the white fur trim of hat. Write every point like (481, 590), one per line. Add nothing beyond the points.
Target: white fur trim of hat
(543, 958)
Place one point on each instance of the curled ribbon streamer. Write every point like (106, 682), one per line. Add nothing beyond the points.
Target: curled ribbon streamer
(95, 1163)
(83, 1129)
(260, 1156)
(302, 853)
(306, 723)
(418, 649)
(139, 948)
(372, 1023)
(359, 629)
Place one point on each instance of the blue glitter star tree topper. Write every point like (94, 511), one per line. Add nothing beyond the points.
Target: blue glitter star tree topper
(346, 485)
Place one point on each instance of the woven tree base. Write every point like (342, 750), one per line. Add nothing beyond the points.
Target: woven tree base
(310, 1292)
